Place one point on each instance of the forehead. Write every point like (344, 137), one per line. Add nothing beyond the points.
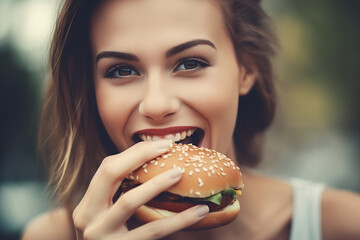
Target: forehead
(160, 22)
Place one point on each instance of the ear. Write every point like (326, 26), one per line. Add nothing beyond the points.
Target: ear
(248, 76)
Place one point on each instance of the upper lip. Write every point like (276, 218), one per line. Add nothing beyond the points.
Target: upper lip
(164, 131)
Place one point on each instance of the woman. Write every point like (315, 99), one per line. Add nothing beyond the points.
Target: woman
(123, 66)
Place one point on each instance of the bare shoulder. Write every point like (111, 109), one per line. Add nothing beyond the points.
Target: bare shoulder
(50, 225)
(340, 214)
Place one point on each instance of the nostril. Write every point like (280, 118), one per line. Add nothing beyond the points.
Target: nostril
(158, 109)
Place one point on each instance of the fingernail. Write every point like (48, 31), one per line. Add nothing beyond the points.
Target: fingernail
(162, 144)
(174, 173)
(201, 210)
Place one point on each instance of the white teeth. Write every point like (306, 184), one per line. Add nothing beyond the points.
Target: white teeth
(189, 133)
(174, 137)
(183, 135)
(170, 136)
(177, 137)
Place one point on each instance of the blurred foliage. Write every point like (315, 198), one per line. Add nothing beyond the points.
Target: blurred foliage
(319, 66)
(19, 104)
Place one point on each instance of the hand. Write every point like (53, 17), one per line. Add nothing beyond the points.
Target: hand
(97, 217)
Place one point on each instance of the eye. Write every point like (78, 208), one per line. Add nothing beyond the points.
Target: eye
(121, 71)
(191, 64)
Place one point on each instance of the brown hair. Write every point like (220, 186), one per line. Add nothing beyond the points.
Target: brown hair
(255, 44)
(72, 138)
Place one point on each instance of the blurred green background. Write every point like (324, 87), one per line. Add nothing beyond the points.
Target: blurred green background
(315, 135)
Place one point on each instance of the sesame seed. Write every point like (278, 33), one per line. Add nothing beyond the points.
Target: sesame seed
(191, 191)
(191, 173)
(156, 163)
(201, 184)
(209, 174)
(145, 170)
(145, 165)
(162, 165)
(165, 156)
(152, 161)
(199, 165)
(212, 192)
(187, 164)
(197, 170)
(224, 174)
(205, 169)
(198, 193)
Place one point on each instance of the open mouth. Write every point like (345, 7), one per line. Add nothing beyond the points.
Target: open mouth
(193, 136)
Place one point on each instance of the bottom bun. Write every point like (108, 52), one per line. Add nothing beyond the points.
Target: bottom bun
(146, 214)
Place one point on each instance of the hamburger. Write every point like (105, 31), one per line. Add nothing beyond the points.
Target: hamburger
(209, 178)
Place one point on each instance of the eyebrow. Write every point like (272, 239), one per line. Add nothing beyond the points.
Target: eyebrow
(112, 54)
(187, 45)
(171, 52)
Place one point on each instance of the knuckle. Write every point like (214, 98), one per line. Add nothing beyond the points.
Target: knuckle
(156, 230)
(89, 234)
(106, 168)
(80, 218)
(125, 202)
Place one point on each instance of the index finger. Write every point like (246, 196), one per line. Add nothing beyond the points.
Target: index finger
(116, 167)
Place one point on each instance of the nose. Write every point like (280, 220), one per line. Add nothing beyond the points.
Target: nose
(158, 102)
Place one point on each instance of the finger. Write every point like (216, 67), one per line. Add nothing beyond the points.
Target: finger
(113, 169)
(166, 226)
(126, 205)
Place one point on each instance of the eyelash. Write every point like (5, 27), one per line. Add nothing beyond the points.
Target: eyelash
(200, 64)
(113, 71)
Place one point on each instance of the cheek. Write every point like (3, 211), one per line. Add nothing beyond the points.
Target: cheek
(219, 105)
(113, 112)
(219, 96)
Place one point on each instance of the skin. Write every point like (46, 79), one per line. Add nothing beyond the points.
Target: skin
(156, 92)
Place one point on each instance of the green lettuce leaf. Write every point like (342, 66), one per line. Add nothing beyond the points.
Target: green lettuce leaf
(217, 197)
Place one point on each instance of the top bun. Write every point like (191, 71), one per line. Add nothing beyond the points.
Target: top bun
(205, 172)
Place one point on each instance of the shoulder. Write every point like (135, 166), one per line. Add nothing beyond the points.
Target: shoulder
(50, 225)
(340, 214)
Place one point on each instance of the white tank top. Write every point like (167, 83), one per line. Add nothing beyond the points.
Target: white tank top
(306, 220)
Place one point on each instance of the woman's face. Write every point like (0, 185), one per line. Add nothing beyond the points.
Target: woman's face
(166, 69)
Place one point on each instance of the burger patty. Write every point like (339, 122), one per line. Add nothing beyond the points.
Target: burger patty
(173, 202)
(163, 201)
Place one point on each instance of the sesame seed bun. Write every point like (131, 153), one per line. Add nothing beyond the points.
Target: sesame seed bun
(206, 172)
